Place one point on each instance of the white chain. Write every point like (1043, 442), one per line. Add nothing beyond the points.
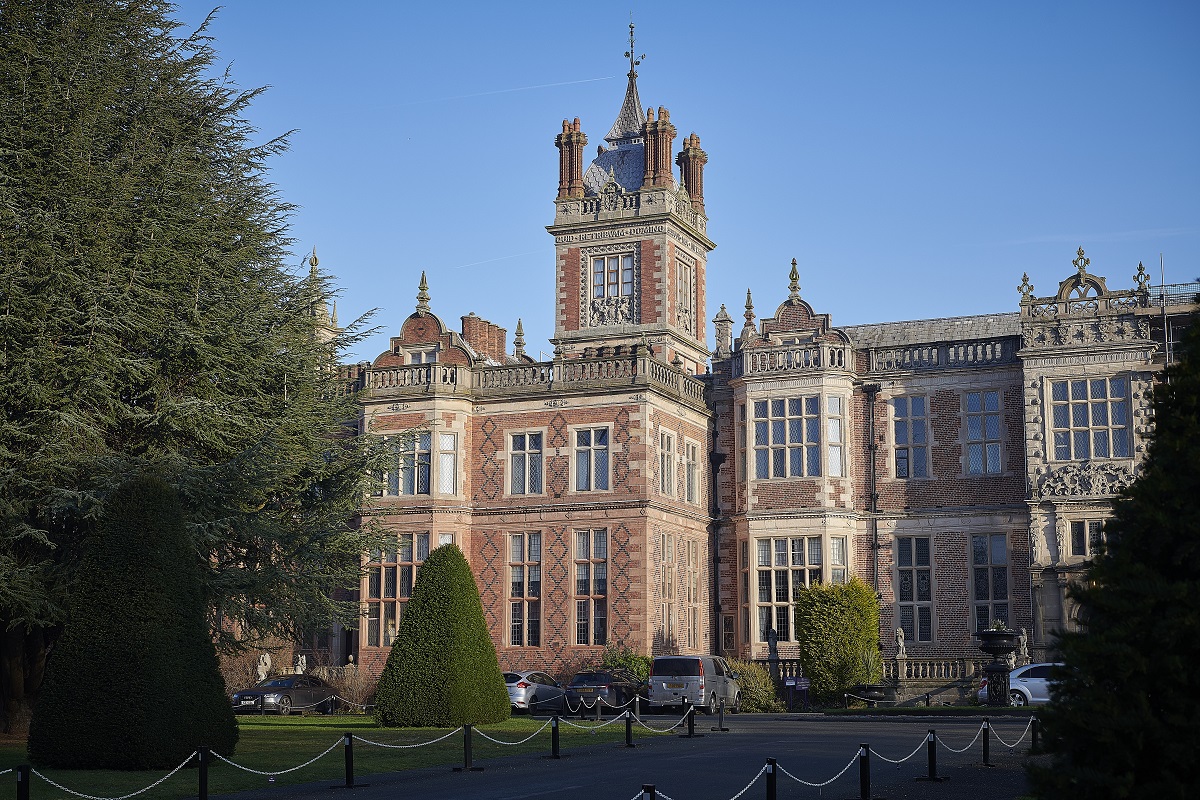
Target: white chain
(660, 730)
(5, 771)
(753, 780)
(968, 747)
(591, 727)
(906, 758)
(523, 741)
(826, 783)
(282, 771)
(663, 795)
(1018, 741)
(408, 746)
(60, 787)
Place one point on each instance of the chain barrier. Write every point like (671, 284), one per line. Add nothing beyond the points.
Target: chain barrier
(282, 771)
(968, 747)
(753, 781)
(584, 704)
(5, 771)
(62, 788)
(920, 747)
(409, 746)
(566, 721)
(849, 764)
(663, 795)
(682, 720)
(523, 741)
(1018, 741)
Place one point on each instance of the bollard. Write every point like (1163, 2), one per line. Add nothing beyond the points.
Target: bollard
(864, 772)
(648, 792)
(987, 742)
(772, 778)
(202, 772)
(628, 728)
(931, 756)
(1035, 747)
(23, 782)
(554, 737)
(927, 699)
(721, 716)
(466, 767)
(348, 747)
(691, 723)
(598, 702)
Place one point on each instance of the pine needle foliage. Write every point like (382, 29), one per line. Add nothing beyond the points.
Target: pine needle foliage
(835, 625)
(134, 682)
(442, 671)
(1123, 712)
(149, 322)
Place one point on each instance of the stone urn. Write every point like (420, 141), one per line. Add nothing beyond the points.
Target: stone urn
(999, 643)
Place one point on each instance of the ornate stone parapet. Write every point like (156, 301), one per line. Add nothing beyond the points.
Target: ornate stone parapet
(1083, 479)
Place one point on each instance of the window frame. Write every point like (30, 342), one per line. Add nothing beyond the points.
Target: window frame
(528, 602)
(916, 455)
(984, 440)
(691, 472)
(1068, 435)
(591, 449)
(1085, 536)
(992, 568)
(527, 456)
(609, 282)
(377, 598)
(667, 463)
(921, 627)
(588, 603)
(779, 459)
(811, 573)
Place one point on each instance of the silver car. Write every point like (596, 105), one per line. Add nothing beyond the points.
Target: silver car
(534, 691)
(1027, 685)
(703, 681)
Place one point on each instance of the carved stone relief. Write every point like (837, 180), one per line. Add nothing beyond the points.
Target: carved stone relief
(604, 311)
(1084, 479)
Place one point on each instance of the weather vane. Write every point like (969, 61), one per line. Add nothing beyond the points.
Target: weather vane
(633, 60)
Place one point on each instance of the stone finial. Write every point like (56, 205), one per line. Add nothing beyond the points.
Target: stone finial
(333, 316)
(423, 296)
(749, 330)
(1142, 279)
(519, 340)
(794, 285)
(723, 325)
(312, 260)
(1081, 263)
(1026, 288)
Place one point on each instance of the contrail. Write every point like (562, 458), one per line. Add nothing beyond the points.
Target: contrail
(490, 260)
(506, 91)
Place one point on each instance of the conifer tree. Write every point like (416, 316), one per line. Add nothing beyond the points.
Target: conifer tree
(442, 671)
(1123, 712)
(134, 682)
(149, 323)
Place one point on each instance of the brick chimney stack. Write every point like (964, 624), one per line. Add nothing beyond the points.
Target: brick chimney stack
(691, 161)
(570, 144)
(658, 137)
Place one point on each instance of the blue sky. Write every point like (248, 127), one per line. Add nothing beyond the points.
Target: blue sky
(915, 158)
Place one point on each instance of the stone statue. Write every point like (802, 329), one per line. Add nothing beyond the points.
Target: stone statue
(1060, 536)
(301, 664)
(1035, 545)
(900, 651)
(773, 653)
(264, 666)
(1023, 647)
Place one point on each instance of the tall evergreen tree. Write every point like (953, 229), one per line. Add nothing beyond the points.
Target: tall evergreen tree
(148, 322)
(1122, 721)
(442, 670)
(134, 682)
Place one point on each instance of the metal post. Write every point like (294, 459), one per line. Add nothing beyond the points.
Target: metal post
(1037, 730)
(349, 746)
(720, 726)
(927, 699)
(467, 746)
(628, 728)
(987, 743)
(864, 772)
(772, 777)
(598, 702)
(932, 758)
(648, 792)
(23, 782)
(202, 776)
(554, 737)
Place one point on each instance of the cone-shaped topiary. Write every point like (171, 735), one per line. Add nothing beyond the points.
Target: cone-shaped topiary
(835, 625)
(442, 671)
(134, 682)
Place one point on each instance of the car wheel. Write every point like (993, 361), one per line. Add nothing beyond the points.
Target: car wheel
(737, 704)
(285, 706)
(534, 707)
(711, 708)
(1015, 698)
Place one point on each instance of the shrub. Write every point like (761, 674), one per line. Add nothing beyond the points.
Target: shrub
(758, 690)
(134, 682)
(622, 657)
(442, 671)
(836, 625)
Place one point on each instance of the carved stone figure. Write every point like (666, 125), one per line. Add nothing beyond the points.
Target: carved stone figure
(900, 651)
(1074, 480)
(1023, 647)
(301, 664)
(264, 666)
(1060, 536)
(1035, 545)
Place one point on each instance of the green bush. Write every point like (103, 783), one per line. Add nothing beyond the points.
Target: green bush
(134, 682)
(622, 657)
(758, 690)
(836, 626)
(442, 671)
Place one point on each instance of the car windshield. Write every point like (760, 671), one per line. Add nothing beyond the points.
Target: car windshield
(592, 679)
(511, 677)
(676, 667)
(276, 683)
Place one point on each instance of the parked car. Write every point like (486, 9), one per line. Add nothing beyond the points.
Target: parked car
(612, 688)
(704, 681)
(535, 692)
(284, 694)
(1027, 685)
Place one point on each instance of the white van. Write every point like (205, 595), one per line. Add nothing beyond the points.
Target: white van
(703, 681)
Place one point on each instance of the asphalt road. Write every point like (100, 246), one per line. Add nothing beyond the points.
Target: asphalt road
(719, 765)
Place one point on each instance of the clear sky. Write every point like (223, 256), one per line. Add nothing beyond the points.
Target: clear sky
(915, 158)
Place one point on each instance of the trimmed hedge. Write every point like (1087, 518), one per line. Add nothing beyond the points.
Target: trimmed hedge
(624, 657)
(134, 682)
(758, 690)
(836, 624)
(442, 671)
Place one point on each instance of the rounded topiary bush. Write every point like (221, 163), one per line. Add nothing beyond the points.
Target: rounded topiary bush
(134, 683)
(442, 671)
(758, 690)
(835, 625)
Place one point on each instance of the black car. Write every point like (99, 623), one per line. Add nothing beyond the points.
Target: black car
(284, 694)
(612, 688)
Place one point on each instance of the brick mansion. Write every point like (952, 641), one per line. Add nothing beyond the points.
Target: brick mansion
(640, 489)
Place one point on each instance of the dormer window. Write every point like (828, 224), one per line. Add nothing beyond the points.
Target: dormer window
(612, 276)
(424, 356)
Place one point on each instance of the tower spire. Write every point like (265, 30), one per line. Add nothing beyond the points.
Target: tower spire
(423, 296)
(630, 118)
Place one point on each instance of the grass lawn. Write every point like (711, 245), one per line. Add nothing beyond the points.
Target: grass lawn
(272, 744)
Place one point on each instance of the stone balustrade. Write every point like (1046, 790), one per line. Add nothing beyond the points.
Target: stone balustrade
(759, 361)
(959, 355)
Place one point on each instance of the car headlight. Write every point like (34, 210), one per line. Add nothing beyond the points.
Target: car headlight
(272, 698)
